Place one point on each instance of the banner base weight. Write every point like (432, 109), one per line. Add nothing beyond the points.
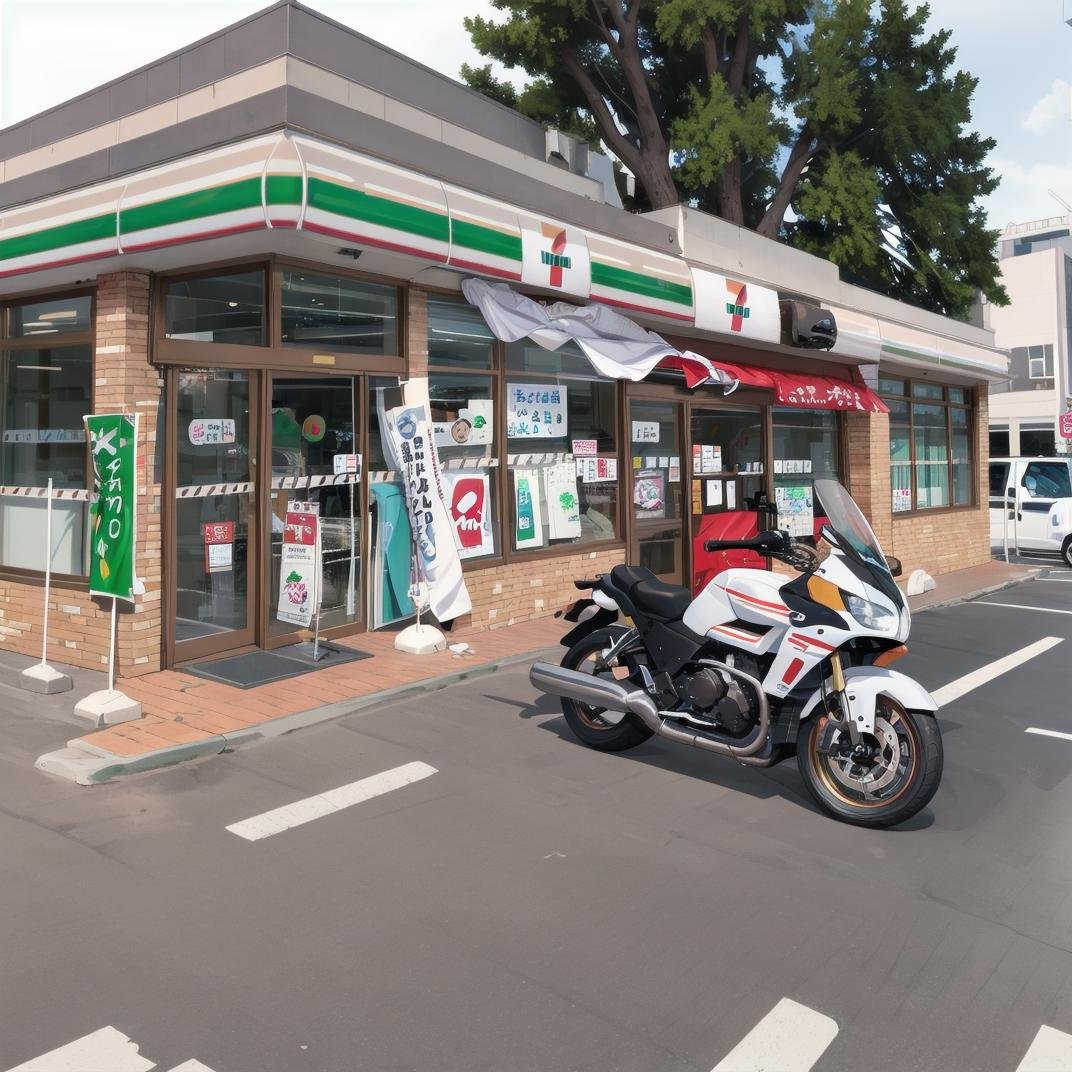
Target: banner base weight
(44, 679)
(108, 707)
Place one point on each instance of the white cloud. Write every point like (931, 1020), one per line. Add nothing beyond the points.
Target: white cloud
(1024, 193)
(1054, 107)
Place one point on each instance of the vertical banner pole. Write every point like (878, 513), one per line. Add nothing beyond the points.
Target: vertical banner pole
(350, 596)
(48, 569)
(318, 579)
(41, 677)
(111, 649)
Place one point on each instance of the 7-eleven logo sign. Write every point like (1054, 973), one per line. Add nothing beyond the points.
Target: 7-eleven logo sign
(554, 257)
(737, 307)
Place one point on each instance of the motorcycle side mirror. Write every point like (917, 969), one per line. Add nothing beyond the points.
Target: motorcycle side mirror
(894, 566)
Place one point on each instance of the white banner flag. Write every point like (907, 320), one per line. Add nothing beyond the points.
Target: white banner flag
(409, 433)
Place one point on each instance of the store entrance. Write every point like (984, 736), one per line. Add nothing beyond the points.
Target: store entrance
(727, 450)
(657, 529)
(243, 445)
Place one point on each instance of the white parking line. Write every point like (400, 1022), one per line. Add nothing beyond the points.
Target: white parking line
(790, 1038)
(321, 804)
(104, 1049)
(1049, 733)
(955, 689)
(1050, 1052)
(1020, 606)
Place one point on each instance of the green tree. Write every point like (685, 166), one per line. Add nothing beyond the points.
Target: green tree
(839, 126)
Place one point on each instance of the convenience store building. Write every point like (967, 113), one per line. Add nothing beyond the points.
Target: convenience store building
(251, 242)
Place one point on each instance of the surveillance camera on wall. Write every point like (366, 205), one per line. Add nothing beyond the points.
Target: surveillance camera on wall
(807, 325)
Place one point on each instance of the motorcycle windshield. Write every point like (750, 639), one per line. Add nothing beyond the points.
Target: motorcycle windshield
(856, 537)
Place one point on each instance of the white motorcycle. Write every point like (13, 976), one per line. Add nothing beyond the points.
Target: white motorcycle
(756, 666)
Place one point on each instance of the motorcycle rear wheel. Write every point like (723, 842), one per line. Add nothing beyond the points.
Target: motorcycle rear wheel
(584, 720)
(900, 781)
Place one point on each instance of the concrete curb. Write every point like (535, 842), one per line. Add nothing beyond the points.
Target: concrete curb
(87, 764)
(1033, 575)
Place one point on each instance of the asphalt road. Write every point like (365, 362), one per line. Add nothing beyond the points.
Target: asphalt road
(534, 905)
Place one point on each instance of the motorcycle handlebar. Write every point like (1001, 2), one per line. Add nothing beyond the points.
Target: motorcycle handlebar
(771, 542)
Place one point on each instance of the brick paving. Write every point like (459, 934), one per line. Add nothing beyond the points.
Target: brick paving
(179, 708)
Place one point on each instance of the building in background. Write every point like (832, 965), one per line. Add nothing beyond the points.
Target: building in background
(253, 241)
(1036, 328)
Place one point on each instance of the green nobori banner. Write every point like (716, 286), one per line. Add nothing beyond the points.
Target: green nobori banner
(113, 439)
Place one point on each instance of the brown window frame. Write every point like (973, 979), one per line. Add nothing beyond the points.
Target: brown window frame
(970, 406)
(507, 554)
(83, 337)
(274, 352)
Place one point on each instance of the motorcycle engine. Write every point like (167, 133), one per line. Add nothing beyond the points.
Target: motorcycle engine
(720, 698)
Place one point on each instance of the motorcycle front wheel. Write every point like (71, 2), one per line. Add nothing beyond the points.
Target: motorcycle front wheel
(890, 777)
(585, 720)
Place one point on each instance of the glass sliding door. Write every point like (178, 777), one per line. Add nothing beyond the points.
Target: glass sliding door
(312, 420)
(657, 502)
(214, 514)
(726, 448)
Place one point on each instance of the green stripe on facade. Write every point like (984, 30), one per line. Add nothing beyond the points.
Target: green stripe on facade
(66, 234)
(283, 190)
(246, 193)
(381, 211)
(485, 240)
(604, 275)
(902, 351)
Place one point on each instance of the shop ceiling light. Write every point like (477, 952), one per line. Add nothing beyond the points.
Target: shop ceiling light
(64, 314)
(39, 368)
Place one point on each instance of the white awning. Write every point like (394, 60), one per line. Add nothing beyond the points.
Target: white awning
(617, 348)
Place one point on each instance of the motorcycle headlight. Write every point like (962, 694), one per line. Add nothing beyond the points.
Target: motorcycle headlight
(871, 615)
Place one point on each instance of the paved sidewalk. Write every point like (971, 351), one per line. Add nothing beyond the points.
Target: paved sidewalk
(186, 717)
(974, 581)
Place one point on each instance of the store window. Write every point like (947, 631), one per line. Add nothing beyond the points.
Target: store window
(463, 426)
(220, 308)
(463, 392)
(999, 441)
(1037, 442)
(806, 448)
(528, 438)
(931, 457)
(46, 376)
(338, 314)
(562, 448)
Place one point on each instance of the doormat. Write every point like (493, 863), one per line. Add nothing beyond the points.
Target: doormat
(263, 667)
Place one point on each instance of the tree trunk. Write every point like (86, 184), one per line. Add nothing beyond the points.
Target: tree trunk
(658, 183)
(730, 199)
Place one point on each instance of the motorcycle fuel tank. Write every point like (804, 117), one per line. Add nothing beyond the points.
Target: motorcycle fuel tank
(746, 595)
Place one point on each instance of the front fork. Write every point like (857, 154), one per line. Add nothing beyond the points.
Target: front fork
(842, 697)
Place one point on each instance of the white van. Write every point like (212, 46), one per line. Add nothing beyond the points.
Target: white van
(1031, 501)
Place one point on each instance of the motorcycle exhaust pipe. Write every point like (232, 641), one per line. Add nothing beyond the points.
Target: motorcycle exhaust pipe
(585, 688)
(617, 701)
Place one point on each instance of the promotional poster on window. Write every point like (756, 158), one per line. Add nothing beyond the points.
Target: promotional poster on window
(299, 564)
(470, 510)
(535, 411)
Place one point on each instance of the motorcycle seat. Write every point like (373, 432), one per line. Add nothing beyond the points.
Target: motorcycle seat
(627, 577)
(666, 601)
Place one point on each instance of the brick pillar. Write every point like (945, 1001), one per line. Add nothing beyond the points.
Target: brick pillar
(868, 479)
(125, 382)
(417, 332)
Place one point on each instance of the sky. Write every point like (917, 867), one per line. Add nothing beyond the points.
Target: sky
(52, 50)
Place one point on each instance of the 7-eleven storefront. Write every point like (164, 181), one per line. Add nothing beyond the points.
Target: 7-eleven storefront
(259, 305)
